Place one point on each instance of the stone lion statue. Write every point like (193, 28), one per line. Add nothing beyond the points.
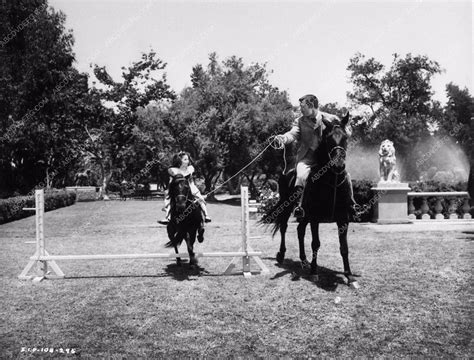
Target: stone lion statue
(388, 162)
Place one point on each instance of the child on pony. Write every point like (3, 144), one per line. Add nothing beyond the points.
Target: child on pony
(182, 164)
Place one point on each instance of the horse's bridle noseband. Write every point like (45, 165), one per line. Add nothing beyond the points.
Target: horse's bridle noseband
(187, 195)
(332, 159)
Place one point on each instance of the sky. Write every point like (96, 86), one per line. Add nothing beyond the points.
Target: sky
(307, 44)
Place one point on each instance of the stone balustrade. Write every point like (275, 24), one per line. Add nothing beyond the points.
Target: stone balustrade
(454, 202)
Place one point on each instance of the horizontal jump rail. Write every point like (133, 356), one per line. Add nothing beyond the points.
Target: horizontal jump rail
(143, 256)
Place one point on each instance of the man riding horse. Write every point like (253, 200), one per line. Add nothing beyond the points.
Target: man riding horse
(328, 195)
(307, 130)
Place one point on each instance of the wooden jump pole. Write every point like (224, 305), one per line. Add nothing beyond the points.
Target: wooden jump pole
(245, 232)
(244, 196)
(43, 260)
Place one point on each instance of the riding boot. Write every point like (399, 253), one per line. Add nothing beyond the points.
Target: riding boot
(204, 211)
(166, 220)
(299, 211)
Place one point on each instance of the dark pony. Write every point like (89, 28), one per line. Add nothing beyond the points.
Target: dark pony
(186, 219)
(326, 198)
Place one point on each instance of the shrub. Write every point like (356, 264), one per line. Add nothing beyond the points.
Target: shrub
(365, 198)
(11, 208)
(267, 199)
(432, 185)
(114, 186)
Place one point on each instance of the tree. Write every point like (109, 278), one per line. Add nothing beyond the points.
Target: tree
(111, 145)
(228, 114)
(42, 97)
(397, 102)
(457, 117)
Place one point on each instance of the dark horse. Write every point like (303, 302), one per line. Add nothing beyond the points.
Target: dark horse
(186, 219)
(326, 198)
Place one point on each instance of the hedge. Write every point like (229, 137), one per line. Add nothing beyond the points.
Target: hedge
(365, 198)
(11, 208)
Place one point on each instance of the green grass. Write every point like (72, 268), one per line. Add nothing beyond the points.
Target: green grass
(414, 301)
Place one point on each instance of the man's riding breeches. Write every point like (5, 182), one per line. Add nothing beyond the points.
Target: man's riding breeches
(302, 173)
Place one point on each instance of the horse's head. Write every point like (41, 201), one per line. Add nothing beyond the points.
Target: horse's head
(179, 192)
(334, 143)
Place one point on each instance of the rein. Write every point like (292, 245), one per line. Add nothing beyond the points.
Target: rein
(245, 167)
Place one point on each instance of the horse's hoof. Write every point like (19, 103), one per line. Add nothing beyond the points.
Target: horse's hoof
(314, 268)
(193, 262)
(305, 264)
(178, 261)
(351, 281)
(280, 257)
(200, 236)
(353, 284)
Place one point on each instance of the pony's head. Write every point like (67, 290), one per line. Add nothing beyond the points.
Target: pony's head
(334, 143)
(179, 192)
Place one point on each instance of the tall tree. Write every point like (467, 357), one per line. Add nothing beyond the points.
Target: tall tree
(111, 145)
(457, 117)
(226, 116)
(42, 97)
(398, 102)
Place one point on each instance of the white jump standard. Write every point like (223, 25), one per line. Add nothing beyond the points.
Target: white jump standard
(44, 262)
(40, 258)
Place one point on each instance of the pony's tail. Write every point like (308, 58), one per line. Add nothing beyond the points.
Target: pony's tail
(175, 242)
(175, 237)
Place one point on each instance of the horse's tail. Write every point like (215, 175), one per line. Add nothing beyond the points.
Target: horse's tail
(281, 211)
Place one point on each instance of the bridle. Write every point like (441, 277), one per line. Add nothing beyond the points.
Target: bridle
(333, 158)
(186, 197)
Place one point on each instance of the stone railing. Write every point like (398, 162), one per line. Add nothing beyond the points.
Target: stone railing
(457, 201)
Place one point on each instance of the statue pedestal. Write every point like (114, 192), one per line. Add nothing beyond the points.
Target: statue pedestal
(391, 206)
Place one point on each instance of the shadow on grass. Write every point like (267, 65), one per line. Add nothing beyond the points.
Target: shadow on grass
(184, 271)
(469, 235)
(328, 279)
(230, 201)
(172, 271)
(114, 276)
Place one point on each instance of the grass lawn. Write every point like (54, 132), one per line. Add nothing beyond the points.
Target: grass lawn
(414, 301)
